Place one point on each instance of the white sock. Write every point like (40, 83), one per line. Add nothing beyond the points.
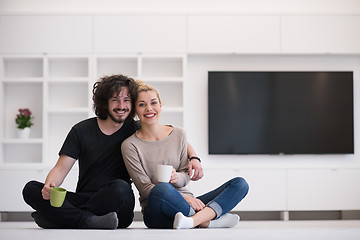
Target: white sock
(182, 222)
(227, 220)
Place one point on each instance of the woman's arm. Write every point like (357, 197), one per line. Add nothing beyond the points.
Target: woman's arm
(135, 169)
(194, 164)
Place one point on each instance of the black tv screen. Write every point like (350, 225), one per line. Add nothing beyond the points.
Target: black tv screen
(281, 112)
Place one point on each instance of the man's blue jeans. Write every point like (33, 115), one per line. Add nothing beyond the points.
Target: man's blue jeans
(164, 201)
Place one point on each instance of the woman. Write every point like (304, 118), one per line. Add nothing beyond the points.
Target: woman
(172, 205)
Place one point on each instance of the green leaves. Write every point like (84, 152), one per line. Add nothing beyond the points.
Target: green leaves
(23, 119)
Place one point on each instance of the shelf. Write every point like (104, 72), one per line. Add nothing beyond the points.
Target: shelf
(74, 67)
(22, 166)
(172, 118)
(31, 97)
(23, 80)
(59, 125)
(68, 80)
(162, 67)
(169, 80)
(171, 93)
(63, 110)
(23, 67)
(22, 152)
(172, 109)
(127, 66)
(67, 95)
(22, 141)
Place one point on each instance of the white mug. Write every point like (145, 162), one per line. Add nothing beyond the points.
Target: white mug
(164, 173)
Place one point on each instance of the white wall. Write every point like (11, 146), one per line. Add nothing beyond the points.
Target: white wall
(347, 7)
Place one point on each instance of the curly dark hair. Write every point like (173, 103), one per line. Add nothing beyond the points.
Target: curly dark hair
(105, 88)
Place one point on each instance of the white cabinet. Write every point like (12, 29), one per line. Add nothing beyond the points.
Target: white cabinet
(233, 34)
(45, 34)
(140, 34)
(289, 189)
(267, 190)
(323, 189)
(267, 187)
(320, 34)
(12, 184)
(193, 34)
(308, 34)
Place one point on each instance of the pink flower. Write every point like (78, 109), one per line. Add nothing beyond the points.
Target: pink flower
(24, 118)
(26, 112)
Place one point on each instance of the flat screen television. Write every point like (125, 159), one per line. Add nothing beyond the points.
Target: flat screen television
(280, 112)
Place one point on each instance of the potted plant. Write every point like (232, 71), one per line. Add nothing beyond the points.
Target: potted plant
(23, 121)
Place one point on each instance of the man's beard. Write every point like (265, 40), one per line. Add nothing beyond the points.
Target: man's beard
(119, 119)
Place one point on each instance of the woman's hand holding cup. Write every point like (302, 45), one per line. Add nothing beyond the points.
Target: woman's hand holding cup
(174, 176)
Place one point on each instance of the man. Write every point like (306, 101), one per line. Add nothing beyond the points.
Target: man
(104, 198)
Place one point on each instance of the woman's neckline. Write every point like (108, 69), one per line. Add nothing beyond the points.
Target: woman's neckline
(161, 138)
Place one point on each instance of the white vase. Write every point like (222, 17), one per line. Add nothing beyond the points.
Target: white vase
(24, 133)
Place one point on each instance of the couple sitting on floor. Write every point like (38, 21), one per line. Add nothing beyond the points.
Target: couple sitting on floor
(112, 149)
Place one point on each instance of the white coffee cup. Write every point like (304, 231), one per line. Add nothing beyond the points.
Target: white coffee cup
(164, 173)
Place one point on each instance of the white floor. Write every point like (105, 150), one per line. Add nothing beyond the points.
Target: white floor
(254, 230)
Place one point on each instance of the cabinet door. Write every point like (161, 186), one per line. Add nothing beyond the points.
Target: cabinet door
(233, 34)
(139, 34)
(320, 34)
(12, 182)
(323, 189)
(267, 188)
(45, 34)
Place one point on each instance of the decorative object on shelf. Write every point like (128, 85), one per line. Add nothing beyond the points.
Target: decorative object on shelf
(23, 120)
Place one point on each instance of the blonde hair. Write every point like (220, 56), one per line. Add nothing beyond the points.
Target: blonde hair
(143, 87)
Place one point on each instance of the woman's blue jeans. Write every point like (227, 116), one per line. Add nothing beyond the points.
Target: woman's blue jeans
(164, 201)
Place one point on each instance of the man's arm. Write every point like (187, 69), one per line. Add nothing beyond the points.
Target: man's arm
(57, 175)
(194, 164)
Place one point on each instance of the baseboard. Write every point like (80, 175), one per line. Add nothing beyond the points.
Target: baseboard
(244, 215)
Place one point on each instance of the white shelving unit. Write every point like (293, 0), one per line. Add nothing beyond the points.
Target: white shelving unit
(58, 90)
(67, 92)
(167, 75)
(22, 85)
(165, 72)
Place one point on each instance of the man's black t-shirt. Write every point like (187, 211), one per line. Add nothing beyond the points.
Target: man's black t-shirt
(99, 155)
